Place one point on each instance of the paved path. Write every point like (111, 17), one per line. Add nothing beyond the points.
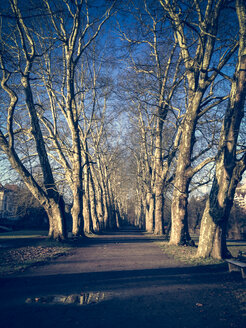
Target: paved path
(124, 280)
(128, 249)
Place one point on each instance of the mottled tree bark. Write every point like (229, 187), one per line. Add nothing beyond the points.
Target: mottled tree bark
(99, 205)
(179, 228)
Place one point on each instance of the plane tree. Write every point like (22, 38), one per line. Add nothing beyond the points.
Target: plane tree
(17, 59)
(229, 164)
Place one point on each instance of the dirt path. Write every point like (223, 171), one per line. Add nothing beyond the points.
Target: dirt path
(123, 280)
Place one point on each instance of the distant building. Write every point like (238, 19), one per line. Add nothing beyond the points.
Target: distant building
(8, 205)
(240, 197)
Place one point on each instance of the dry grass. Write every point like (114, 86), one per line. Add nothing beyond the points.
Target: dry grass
(187, 254)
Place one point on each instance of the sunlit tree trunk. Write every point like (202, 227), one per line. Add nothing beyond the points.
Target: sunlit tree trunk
(56, 214)
(99, 205)
(77, 190)
(150, 212)
(179, 229)
(106, 210)
(86, 213)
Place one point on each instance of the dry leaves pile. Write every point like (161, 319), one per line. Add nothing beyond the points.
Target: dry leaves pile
(15, 259)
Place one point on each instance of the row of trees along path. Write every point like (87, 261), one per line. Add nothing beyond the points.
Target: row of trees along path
(106, 109)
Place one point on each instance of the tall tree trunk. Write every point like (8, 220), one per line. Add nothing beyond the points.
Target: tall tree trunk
(213, 231)
(94, 217)
(103, 182)
(159, 209)
(56, 215)
(54, 205)
(86, 213)
(72, 117)
(228, 171)
(158, 186)
(77, 189)
(179, 227)
(150, 206)
(112, 206)
(106, 210)
(88, 227)
(100, 208)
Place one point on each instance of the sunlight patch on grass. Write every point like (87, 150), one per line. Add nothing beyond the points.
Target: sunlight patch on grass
(186, 254)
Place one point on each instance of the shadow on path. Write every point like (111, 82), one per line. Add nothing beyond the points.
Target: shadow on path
(163, 294)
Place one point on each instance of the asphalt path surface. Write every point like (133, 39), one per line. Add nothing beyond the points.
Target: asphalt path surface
(121, 279)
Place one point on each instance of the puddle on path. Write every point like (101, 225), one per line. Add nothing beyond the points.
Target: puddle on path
(73, 299)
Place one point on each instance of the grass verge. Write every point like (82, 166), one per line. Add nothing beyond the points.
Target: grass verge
(187, 254)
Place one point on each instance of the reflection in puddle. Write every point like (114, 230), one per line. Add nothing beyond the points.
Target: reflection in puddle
(78, 299)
